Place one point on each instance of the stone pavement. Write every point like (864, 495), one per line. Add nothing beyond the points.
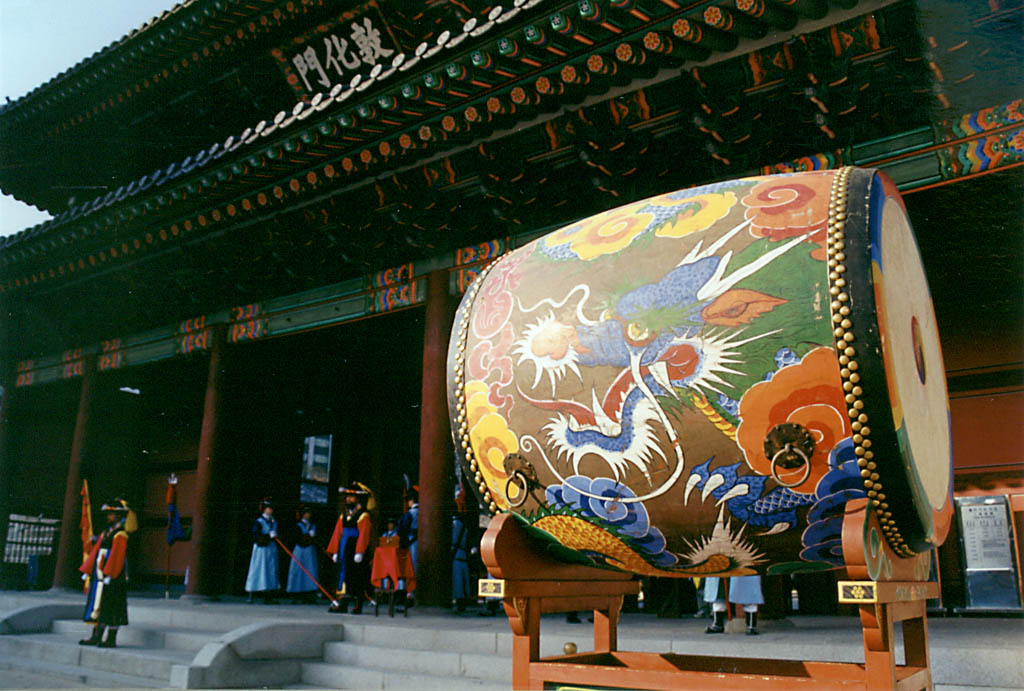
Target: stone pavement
(174, 644)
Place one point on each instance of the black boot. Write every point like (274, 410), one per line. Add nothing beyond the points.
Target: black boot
(718, 625)
(111, 641)
(339, 606)
(96, 637)
(752, 624)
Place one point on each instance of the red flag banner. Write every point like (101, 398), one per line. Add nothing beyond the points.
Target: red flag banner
(85, 524)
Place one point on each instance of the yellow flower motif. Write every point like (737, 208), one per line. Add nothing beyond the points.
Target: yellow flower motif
(490, 438)
(696, 213)
(606, 233)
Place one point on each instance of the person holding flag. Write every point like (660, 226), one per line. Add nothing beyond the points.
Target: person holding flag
(106, 606)
(174, 530)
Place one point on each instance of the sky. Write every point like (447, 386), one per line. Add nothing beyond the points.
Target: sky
(41, 38)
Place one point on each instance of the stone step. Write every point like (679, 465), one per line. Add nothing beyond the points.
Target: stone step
(192, 617)
(141, 636)
(326, 675)
(418, 637)
(448, 663)
(80, 675)
(61, 649)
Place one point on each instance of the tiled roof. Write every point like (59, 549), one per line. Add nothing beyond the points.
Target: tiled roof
(84, 64)
(267, 127)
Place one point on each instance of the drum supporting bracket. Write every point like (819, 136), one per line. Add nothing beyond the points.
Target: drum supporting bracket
(532, 583)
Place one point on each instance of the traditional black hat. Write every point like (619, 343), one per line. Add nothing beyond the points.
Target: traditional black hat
(120, 506)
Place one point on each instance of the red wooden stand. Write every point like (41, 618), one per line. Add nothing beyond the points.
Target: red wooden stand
(531, 583)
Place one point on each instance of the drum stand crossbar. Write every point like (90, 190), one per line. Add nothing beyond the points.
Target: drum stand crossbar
(531, 583)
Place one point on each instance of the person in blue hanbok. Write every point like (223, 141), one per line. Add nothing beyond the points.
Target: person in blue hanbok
(743, 590)
(262, 576)
(461, 592)
(300, 584)
(408, 525)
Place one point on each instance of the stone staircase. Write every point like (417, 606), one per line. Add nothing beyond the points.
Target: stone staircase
(375, 655)
(144, 658)
(172, 644)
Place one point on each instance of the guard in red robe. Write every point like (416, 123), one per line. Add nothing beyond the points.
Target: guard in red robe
(349, 548)
(106, 606)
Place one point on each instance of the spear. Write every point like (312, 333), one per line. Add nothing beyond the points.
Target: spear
(334, 602)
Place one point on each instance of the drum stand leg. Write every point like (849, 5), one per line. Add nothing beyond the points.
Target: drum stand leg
(881, 668)
(531, 583)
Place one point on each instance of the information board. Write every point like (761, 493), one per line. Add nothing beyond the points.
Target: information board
(989, 560)
(986, 535)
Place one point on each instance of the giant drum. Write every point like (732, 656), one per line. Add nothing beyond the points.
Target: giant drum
(698, 383)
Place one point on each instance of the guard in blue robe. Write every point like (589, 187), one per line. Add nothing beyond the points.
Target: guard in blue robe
(262, 576)
(460, 562)
(408, 526)
(299, 583)
(743, 590)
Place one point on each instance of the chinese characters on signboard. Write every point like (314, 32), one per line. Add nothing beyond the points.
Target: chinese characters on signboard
(340, 61)
(334, 52)
(316, 469)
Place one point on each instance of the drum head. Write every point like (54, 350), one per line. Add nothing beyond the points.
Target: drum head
(914, 374)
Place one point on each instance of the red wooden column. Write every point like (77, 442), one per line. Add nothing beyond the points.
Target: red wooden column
(205, 545)
(69, 549)
(5, 472)
(437, 469)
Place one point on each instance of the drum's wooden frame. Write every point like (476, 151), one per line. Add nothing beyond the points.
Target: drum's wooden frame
(888, 589)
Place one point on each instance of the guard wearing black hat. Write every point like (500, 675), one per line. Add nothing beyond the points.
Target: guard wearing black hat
(106, 606)
(350, 545)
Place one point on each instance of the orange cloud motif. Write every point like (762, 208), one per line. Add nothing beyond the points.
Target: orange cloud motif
(807, 394)
(787, 207)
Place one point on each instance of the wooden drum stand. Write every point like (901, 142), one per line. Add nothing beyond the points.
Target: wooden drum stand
(888, 589)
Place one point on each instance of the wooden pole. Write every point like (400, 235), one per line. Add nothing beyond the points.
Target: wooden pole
(436, 453)
(69, 548)
(205, 547)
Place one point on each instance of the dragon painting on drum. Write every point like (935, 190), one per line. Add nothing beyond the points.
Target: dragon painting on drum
(698, 383)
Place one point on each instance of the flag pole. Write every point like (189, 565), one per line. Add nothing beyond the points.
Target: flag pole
(334, 602)
(172, 499)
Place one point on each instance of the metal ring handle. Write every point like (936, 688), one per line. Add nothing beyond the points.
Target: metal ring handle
(517, 477)
(789, 448)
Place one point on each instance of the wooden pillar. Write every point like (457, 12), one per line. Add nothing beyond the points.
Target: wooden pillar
(5, 472)
(437, 469)
(206, 542)
(69, 548)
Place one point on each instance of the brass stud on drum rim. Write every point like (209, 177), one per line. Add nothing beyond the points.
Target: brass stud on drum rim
(844, 335)
(460, 379)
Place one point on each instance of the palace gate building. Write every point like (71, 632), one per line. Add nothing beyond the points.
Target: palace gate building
(265, 212)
